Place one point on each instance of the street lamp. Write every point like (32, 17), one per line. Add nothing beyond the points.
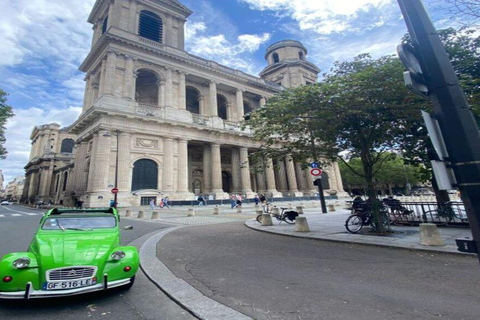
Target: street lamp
(115, 186)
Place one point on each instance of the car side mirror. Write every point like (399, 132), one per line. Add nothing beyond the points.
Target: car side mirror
(128, 228)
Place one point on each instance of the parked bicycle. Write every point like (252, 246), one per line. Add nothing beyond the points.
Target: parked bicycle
(447, 213)
(362, 216)
(285, 216)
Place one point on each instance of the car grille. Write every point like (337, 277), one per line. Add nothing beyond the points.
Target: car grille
(70, 273)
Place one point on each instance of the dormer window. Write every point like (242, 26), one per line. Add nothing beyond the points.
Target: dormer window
(150, 26)
(275, 58)
(301, 56)
(105, 25)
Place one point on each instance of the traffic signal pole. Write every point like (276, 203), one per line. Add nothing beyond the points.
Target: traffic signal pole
(459, 129)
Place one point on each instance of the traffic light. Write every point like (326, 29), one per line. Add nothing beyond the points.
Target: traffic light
(413, 77)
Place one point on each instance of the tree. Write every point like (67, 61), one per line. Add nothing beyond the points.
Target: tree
(466, 12)
(362, 109)
(5, 113)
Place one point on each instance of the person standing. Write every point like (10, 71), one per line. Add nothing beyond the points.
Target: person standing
(233, 200)
(152, 204)
(256, 199)
(239, 200)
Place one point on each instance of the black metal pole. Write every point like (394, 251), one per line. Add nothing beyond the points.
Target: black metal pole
(458, 126)
(322, 197)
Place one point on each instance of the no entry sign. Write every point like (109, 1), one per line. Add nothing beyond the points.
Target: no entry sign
(316, 172)
(114, 190)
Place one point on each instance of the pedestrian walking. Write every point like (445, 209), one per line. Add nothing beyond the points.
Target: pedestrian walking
(256, 199)
(161, 204)
(233, 200)
(201, 200)
(152, 204)
(165, 202)
(239, 201)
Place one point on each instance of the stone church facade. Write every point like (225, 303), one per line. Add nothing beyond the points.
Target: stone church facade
(159, 121)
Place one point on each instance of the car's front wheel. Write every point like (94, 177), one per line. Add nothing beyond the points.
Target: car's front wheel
(128, 286)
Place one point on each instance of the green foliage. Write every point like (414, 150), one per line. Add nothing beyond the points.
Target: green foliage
(5, 113)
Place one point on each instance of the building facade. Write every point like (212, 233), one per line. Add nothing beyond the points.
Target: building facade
(14, 190)
(157, 120)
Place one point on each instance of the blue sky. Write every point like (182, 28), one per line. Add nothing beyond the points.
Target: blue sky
(44, 41)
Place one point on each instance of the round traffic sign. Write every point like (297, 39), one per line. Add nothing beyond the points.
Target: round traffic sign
(115, 190)
(316, 172)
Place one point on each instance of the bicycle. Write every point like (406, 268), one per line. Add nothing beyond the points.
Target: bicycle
(285, 216)
(447, 213)
(363, 217)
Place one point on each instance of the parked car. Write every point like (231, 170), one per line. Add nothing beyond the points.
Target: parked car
(74, 251)
(4, 203)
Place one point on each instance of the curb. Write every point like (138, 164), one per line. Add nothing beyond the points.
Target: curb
(179, 290)
(380, 245)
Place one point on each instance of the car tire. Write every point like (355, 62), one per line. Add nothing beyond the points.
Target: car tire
(128, 286)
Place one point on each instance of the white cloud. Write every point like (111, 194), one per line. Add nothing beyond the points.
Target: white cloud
(18, 133)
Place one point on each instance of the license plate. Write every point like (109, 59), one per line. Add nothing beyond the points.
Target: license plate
(68, 284)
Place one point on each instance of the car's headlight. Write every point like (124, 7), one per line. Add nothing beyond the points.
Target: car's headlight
(118, 255)
(21, 263)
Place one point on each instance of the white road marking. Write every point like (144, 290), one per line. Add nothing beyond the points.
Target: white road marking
(2, 216)
(24, 212)
(16, 215)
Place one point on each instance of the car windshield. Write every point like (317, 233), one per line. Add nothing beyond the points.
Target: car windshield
(78, 223)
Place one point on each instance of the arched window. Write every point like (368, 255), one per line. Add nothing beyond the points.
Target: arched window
(247, 108)
(56, 183)
(222, 106)
(145, 175)
(67, 146)
(193, 100)
(150, 26)
(105, 25)
(275, 58)
(301, 56)
(65, 179)
(146, 88)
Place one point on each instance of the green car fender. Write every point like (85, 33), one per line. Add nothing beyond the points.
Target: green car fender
(124, 268)
(20, 277)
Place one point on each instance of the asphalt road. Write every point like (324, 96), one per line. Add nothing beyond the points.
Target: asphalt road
(143, 301)
(268, 276)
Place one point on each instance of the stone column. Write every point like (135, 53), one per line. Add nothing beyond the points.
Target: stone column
(80, 166)
(271, 186)
(101, 85)
(245, 173)
(216, 170)
(87, 93)
(213, 99)
(182, 96)
(167, 165)
(282, 176)
(291, 176)
(301, 180)
(124, 183)
(182, 166)
(110, 73)
(236, 176)
(201, 103)
(100, 164)
(261, 182)
(169, 88)
(95, 92)
(132, 19)
(129, 79)
(239, 102)
(207, 162)
(161, 93)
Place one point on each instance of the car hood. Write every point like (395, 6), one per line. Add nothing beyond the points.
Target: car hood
(74, 248)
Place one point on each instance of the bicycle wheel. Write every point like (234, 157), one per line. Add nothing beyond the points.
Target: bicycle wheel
(259, 218)
(439, 216)
(354, 223)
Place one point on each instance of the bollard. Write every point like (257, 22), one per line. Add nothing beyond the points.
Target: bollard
(239, 209)
(275, 210)
(154, 215)
(141, 215)
(429, 235)
(301, 225)
(128, 213)
(331, 208)
(300, 209)
(258, 211)
(216, 210)
(191, 212)
(289, 206)
(266, 220)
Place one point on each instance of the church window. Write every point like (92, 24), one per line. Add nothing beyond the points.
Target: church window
(150, 26)
(247, 108)
(67, 146)
(275, 58)
(146, 88)
(193, 100)
(145, 175)
(105, 25)
(222, 106)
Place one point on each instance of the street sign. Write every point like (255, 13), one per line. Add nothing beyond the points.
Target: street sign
(115, 190)
(314, 165)
(316, 172)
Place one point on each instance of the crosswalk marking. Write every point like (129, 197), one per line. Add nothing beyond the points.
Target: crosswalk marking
(2, 216)
(16, 215)
(31, 213)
